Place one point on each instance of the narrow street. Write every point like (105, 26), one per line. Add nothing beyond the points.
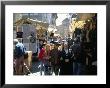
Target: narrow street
(62, 44)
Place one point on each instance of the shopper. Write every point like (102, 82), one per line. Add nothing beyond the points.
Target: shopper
(42, 55)
(19, 56)
(55, 59)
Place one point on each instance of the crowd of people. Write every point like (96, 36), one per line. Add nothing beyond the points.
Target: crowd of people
(74, 56)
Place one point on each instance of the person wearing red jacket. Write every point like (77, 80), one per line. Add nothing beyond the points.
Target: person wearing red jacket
(42, 55)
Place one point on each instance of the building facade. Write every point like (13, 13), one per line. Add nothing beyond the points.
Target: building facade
(28, 29)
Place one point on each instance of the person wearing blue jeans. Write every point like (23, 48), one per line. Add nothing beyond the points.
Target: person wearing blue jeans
(78, 68)
(41, 67)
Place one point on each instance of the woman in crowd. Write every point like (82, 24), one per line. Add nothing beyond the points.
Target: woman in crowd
(55, 60)
(42, 55)
(65, 61)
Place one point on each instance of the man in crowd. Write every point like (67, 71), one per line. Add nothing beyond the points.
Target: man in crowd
(55, 59)
(93, 42)
(76, 50)
(19, 56)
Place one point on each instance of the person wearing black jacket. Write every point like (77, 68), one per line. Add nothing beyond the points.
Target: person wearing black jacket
(79, 57)
(62, 62)
(82, 60)
(65, 63)
(93, 43)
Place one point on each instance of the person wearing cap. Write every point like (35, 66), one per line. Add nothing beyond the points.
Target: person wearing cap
(19, 52)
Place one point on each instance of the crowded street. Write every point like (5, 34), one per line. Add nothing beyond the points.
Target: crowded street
(55, 44)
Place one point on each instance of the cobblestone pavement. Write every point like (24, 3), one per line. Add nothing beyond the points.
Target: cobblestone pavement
(35, 70)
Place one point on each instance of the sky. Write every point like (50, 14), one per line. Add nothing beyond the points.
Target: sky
(60, 18)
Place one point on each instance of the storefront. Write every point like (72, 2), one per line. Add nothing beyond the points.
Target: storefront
(30, 31)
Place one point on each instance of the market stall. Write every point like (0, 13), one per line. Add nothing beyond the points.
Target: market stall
(28, 30)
